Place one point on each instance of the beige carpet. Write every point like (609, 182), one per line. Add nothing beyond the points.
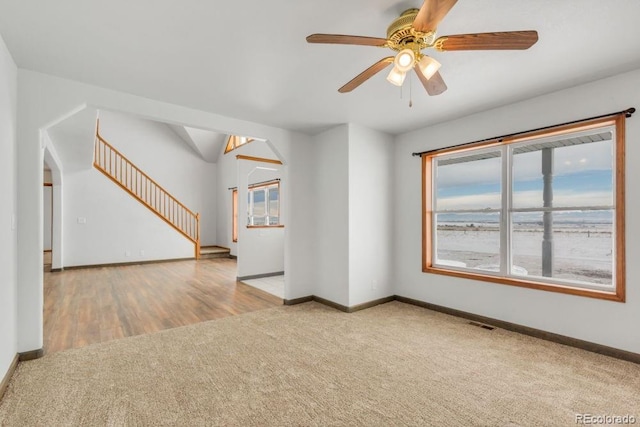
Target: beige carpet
(393, 364)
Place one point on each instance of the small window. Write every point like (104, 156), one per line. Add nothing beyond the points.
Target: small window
(236, 141)
(263, 207)
(544, 210)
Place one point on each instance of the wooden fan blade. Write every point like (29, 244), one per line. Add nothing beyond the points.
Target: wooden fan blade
(342, 39)
(488, 41)
(435, 85)
(431, 13)
(366, 74)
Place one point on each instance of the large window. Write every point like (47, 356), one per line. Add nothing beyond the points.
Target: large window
(263, 206)
(542, 210)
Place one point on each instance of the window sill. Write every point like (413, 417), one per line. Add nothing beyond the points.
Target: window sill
(265, 226)
(616, 295)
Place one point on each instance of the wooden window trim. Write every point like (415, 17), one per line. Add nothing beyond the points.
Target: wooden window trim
(265, 184)
(618, 295)
(234, 215)
(258, 159)
(234, 208)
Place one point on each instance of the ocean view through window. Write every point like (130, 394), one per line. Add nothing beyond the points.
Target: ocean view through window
(542, 210)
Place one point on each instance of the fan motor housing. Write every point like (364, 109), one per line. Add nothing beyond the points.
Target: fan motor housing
(402, 35)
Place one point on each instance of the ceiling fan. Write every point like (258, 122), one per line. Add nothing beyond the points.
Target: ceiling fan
(415, 30)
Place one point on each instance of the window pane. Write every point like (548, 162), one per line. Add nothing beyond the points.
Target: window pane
(274, 195)
(249, 207)
(259, 220)
(468, 240)
(581, 174)
(470, 182)
(582, 245)
(259, 203)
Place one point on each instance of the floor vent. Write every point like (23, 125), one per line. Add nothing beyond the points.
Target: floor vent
(480, 325)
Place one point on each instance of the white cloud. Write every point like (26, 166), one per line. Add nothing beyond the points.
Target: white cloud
(563, 198)
(567, 160)
(487, 171)
(527, 166)
(475, 201)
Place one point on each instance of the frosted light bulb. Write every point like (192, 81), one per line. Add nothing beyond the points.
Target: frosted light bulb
(396, 76)
(404, 60)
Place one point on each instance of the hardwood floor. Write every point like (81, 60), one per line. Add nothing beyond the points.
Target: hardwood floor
(87, 306)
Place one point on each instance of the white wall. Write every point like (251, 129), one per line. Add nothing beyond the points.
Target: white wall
(298, 209)
(52, 159)
(103, 224)
(8, 211)
(331, 190)
(370, 215)
(260, 250)
(116, 227)
(47, 206)
(167, 159)
(609, 323)
(43, 100)
(301, 213)
(226, 178)
(353, 184)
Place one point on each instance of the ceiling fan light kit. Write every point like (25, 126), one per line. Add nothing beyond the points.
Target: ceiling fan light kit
(415, 30)
(428, 66)
(404, 60)
(396, 76)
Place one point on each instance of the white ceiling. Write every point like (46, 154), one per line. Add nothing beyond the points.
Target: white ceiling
(249, 59)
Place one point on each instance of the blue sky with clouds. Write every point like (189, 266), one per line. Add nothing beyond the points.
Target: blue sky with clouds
(582, 177)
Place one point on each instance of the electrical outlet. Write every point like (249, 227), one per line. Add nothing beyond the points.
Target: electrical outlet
(374, 285)
(127, 253)
(142, 252)
(82, 220)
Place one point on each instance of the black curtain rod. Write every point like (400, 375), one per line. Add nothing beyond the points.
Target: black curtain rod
(257, 183)
(628, 113)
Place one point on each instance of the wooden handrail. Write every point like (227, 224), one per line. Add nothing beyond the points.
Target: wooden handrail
(115, 150)
(113, 164)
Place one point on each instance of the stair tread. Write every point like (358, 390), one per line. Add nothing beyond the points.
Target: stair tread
(213, 250)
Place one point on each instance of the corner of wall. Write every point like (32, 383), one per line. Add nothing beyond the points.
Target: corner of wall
(8, 211)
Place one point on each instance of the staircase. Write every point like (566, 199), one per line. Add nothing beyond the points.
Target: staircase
(131, 179)
(214, 252)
